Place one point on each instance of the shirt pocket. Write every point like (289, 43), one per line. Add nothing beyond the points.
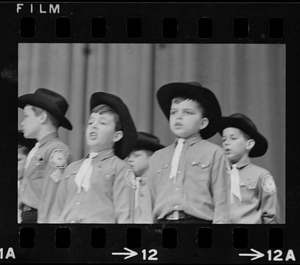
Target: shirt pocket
(40, 164)
(103, 179)
(162, 175)
(248, 190)
(199, 170)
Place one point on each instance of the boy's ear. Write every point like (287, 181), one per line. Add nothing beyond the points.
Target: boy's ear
(43, 116)
(204, 123)
(118, 136)
(250, 144)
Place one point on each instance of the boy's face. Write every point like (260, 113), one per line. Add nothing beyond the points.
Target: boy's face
(139, 161)
(100, 131)
(235, 144)
(21, 164)
(31, 123)
(186, 118)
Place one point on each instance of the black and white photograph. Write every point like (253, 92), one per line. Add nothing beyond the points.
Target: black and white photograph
(149, 132)
(119, 133)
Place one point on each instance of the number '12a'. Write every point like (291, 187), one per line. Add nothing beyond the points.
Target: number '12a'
(278, 255)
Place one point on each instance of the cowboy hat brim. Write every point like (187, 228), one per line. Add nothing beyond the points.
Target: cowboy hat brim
(143, 144)
(204, 96)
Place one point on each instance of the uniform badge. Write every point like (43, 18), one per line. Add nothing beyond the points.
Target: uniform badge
(56, 175)
(269, 184)
(58, 158)
(130, 178)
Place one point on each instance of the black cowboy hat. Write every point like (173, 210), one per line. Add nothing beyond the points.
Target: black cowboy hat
(29, 143)
(147, 141)
(242, 122)
(50, 101)
(123, 147)
(192, 90)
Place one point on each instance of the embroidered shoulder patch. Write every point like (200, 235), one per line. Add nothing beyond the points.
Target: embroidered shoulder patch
(268, 184)
(58, 158)
(130, 178)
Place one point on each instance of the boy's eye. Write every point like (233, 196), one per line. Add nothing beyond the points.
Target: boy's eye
(172, 112)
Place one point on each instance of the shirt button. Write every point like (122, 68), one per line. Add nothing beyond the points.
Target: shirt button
(72, 222)
(176, 206)
(193, 163)
(77, 203)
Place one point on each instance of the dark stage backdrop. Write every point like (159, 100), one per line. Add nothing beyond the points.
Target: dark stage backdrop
(247, 78)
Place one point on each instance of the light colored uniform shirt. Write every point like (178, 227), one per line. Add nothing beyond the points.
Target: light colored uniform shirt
(200, 187)
(143, 207)
(109, 199)
(259, 196)
(41, 177)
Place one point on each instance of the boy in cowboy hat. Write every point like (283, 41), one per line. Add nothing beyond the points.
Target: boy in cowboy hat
(138, 159)
(187, 178)
(252, 189)
(44, 112)
(24, 146)
(100, 187)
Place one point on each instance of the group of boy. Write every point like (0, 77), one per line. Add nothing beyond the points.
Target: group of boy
(129, 177)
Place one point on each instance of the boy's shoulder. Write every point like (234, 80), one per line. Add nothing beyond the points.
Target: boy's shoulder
(211, 145)
(56, 142)
(260, 170)
(163, 152)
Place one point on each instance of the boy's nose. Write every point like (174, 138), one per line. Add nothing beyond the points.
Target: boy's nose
(179, 116)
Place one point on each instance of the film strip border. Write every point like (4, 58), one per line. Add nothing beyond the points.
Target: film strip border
(169, 237)
(188, 244)
(153, 22)
(170, 28)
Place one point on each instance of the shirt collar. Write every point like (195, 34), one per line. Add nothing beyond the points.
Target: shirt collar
(143, 179)
(47, 138)
(104, 154)
(242, 163)
(192, 139)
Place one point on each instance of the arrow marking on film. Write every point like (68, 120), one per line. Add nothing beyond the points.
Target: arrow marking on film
(255, 255)
(128, 254)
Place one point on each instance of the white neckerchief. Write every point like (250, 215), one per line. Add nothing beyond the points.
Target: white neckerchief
(176, 159)
(235, 184)
(83, 176)
(137, 191)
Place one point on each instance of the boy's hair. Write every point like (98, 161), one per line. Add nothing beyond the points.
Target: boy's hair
(101, 109)
(23, 149)
(183, 98)
(37, 111)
